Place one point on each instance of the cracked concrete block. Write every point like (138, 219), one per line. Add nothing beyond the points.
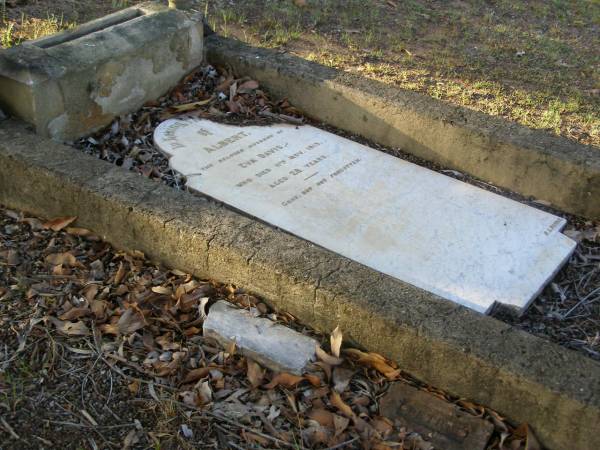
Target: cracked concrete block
(277, 347)
(75, 82)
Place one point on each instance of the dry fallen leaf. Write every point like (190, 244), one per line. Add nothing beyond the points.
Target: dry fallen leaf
(374, 361)
(322, 416)
(163, 290)
(284, 379)
(66, 259)
(195, 374)
(336, 342)
(75, 313)
(247, 86)
(59, 223)
(134, 387)
(312, 379)
(327, 358)
(120, 275)
(129, 322)
(205, 393)
(90, 291)
(254, 373)
(75, 231)
(98, 308)
(70, 328)
(315, 435)
(344, 408)
(340, 424)
(524, 433)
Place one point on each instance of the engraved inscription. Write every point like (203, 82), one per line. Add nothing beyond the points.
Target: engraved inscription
(431, 231)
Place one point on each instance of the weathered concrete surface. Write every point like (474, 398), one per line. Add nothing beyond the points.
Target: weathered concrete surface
(526, 378)
(441, 423)
(530, 162)
(279, 348)
(77, 81)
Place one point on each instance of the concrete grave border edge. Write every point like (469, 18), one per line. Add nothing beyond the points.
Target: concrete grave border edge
(530, 162)
(473, 356)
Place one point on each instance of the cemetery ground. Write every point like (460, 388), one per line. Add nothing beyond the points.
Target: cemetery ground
(166, 386)
(534, 63)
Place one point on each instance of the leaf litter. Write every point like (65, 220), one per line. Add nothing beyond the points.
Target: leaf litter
(108, 352)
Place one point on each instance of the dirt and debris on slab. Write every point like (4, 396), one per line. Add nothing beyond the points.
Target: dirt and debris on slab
(103, 349)
(567, 312)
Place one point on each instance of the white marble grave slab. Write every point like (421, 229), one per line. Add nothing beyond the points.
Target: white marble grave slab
(445, 236)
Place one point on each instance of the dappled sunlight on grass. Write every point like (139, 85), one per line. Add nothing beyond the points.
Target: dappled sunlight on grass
(32, 28)
(532, 62)
(33, 19)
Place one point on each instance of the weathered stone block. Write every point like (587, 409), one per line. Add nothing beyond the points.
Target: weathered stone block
(77, 81)
(279, 348)
(441, 423)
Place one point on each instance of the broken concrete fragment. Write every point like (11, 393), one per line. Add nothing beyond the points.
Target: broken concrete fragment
(279, 348)
(443, 424)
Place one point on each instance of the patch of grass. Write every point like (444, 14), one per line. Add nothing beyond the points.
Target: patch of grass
(6, 38)
(14, 32)
(35, 19)
(534, 62)
(14, 382)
